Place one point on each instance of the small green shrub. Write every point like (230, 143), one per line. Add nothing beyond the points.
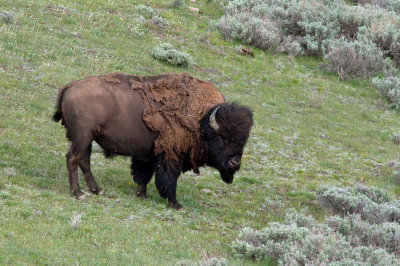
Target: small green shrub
(375, 194)
(251, 30)
(148, 14)
(396, 139)
(146, 11)
(320, 25)
(385, 36)
(176, 3)
(159, 21)
(139, 18)
(274, 205)
(135, 31)
(389, 88)
(291, 46)
(373, 204)
(215, 261)
(356, 59)
(166, 52)
(10, 171)
(7, 17)
(359, 232)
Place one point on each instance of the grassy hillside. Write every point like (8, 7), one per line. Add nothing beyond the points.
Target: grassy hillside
(310, 129)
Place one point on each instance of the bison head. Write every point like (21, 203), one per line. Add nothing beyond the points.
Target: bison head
(225, 129)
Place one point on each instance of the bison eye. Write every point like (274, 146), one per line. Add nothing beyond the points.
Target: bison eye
(224, 139)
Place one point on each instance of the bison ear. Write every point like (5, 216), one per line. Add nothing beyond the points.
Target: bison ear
(213, 122)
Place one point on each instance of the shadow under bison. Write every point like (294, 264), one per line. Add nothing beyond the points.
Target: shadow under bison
(167, 124)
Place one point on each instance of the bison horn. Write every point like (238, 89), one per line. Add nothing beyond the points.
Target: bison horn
(213, 123)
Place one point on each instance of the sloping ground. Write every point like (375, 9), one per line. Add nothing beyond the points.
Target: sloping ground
(310, 129)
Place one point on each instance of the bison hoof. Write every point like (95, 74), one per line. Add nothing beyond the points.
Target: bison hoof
(141, 195)
(175, 205)
(80, 196)
(98, 191)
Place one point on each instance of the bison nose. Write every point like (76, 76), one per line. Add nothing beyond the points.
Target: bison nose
(234, 163)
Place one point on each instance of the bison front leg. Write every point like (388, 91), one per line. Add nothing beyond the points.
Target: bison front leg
(167, 174)
(142, 173)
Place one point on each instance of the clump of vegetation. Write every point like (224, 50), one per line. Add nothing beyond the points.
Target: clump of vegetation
(300, 240)
(167, 53)
(356, 59)
(372, 204)
(146, 11)
(391, 5)
(214, 261)
(248, 21)
(10, 171)
(176, 3)
(313, 24)
(76, 220)
(396, 139)
(159, 21)
(291, 46)
(7, 17)
(148, 14)
(274, 205)
(364, 229)
(135, 31)
(353, 39)
(389, 88)
(251, 30)
(359, 232)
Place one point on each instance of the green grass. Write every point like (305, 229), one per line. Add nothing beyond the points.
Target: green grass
(310, 129)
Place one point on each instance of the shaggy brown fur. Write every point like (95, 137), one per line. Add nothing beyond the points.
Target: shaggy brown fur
(173, 108)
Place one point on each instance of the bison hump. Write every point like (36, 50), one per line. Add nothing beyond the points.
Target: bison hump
(172, 107)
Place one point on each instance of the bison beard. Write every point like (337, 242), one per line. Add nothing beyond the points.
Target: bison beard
(168, 124)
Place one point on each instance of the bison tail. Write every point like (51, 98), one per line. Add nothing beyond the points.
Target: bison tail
(57, 114)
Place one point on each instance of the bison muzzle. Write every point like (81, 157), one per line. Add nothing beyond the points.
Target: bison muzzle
(167, 124)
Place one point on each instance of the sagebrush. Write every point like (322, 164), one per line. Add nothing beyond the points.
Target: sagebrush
(364, 230)
(355, 40)
(166, 52)
(389, 88)
(148, 14)
(372, 204)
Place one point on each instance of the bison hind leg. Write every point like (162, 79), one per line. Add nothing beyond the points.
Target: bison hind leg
(79, 156)
(84, 164)
(167, 174)
(142, 173)
(72, 166)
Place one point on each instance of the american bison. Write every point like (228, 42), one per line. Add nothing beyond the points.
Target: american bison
(167, 124)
